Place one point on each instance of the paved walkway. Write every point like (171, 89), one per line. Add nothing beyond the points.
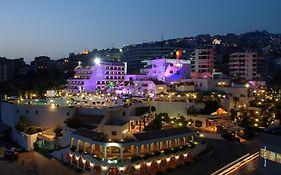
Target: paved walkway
(33, 163)
(212, 136)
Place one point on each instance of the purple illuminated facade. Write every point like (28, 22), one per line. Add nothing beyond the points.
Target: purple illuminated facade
(100, 76)
(167, 70)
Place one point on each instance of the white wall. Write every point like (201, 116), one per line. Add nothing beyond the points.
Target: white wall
(107, 129)
(25, 141)
(174, 108)
(46, 117)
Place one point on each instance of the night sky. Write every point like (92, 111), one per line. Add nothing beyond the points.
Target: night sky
(29, 28)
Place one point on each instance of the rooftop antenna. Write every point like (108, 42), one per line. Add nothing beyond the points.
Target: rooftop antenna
(162, 45)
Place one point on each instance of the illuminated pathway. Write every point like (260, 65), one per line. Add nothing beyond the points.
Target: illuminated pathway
(237, 164)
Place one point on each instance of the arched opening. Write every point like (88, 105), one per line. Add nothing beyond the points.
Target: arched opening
(128, 152)
(74, 161)
(112, 171)
(188, 157)
(113, 152)
(153, 167)
(172, 162)
(163, 165)
(163, 145)
(80, 162)
(153, 147)
(144, 149)
(72, 142)
(130, 170)
(181, 159)
(173, 143)
(87, 148)
(97, 170)
(181, 142)
(67, 157)
(87, 165)
(80, 146)
(143, 168)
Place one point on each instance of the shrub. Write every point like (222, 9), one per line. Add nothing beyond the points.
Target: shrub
(157, 153)
(146, 156)
(58, 131)
(136, 158)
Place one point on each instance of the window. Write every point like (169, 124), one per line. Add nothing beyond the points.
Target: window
(114, 133)
(18, 110)
(171, 72)
(26, 111)
(36, 112)
(67, 114)
(124, 113)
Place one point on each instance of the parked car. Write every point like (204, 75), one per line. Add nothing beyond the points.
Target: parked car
(11, 155)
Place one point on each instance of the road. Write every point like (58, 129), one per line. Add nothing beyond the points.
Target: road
(250, 169)
(224, 153)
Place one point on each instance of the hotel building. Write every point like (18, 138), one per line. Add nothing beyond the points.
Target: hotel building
(243, 65)
(202, 62)
(101, 76)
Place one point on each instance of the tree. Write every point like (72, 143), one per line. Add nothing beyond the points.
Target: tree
(233, 114)
(277, 110)
(245, 122)
(23, 124)
(235, 99)
(73, 122)
(164, 116)
(198, 123)
(210, 106)
(156, 124)
(58, 131)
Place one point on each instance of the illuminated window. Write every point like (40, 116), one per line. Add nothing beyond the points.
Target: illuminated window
(161, 87)
(278, 158)
(114, 133)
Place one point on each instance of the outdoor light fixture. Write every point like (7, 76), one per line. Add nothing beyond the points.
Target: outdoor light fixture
(97, 60)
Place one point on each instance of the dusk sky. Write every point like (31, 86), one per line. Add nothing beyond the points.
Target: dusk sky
(29, 28)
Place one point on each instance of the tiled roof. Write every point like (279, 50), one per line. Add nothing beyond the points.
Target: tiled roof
(90, 119)
(150, 135)
(115, 122)
(88, 133)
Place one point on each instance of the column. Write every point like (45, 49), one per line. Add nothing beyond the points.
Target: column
(104, 152)
(92, 149)
(140, 125)
(122, 155)
(78, 143)
(158, 146)
(71, 159)
(84, 147)
(137, 150)
(149, 148)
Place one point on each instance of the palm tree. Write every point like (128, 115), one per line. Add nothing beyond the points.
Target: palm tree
(235, 99)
